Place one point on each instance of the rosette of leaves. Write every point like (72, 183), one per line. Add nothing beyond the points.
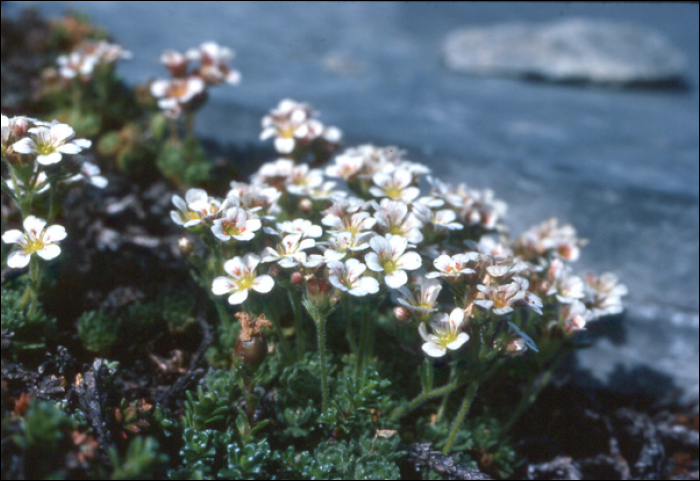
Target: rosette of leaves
(98, 331)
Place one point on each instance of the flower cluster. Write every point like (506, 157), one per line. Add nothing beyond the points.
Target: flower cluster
(294, 126)
(187, 86)
(32, 155)
(82, 61)
(317, 240)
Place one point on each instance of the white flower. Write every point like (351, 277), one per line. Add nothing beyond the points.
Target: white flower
(501, 299)
(395, 185)
(50, 142)
(473, 207)
(302, 179)
(214, 60)
(325, 191)
(549, 239)
(174, 94)
(301, 226)
(242, 278)
(489, 246)
(256, 196)
(574, 317)
(37, 239)
(289, 122)
(76, 63)
(346, 166)
(447, 333)
(236, 223)
(604, 294)
(348, 278)
(425, 300)
(391, 258)
(343, 216)
(438, 220)
(40, 182)
(90, 173)
(564, 283)
(196, 207)
(394, 218)
(290, 251)
(453, 268)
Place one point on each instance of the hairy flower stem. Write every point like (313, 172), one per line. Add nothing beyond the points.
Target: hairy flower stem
(295, 301)
(466, 405)
(535, 388)
(284, 345)
(365, 334)
(34, 285)
(321, 323)
(426, 395)
(189, 125)
(349, 331)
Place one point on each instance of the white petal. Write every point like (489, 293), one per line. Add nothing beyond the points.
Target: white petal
(433, 350)
(372, 261)
(410, 261)
(314, 231)
(396, 279)
(24, 146)
(99, 181)
(457, 343)
(69, 148)
(238, 297)
(284, 145)
(368, 285)
(54, 233)
(18, 260)
(222, 285)
(34, 224)
(457, 317)
(263, 284)
(83, 143)
(234, 267)
(49, 252)
(13, 236)
(50, 159)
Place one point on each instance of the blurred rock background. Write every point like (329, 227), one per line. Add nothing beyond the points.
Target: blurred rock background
(611, 148)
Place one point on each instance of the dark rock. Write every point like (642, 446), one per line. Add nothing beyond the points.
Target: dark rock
(571, 50)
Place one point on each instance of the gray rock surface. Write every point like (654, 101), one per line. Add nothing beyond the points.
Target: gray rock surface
(619, 164)
(570, 50)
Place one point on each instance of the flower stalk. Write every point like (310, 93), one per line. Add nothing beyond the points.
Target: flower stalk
(463, 411)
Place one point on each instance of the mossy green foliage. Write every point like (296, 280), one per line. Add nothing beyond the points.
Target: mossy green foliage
(171, 313)
(184, 162)
(30, 332)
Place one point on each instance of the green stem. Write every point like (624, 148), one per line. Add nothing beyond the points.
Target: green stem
(445, 398)
(189, 125)
(533, 391)
(321, 326)
(35, 283)
(284, 345)
(364, 341)
(466, 405)
(424, 396)
(349, 331)
(295, 301)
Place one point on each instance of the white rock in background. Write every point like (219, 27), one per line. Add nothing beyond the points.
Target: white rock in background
(599, 51)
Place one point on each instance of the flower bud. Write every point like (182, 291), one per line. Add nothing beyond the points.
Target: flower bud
(306, 205)
(402, 315)
(516, 346)
(297, 279)
(186, 246)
